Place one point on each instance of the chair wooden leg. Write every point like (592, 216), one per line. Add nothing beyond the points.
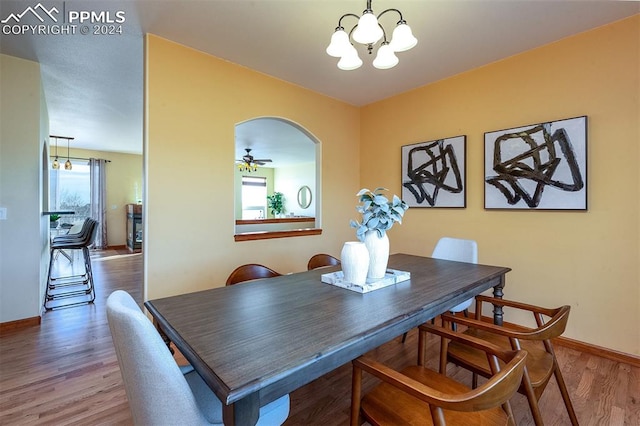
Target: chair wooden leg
(444, 350)
(356, 393)
(422, 340)
(532, 398)
(565, 394)
(437, 416)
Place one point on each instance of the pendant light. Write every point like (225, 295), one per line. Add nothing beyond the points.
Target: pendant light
(67, 164)
(55, 165)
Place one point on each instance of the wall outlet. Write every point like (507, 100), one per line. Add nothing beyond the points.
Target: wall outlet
(3, 213)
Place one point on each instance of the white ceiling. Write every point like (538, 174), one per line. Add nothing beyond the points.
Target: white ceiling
(94, 83)
(283, 142)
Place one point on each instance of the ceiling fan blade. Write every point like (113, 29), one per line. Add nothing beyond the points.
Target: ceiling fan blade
(262, 160)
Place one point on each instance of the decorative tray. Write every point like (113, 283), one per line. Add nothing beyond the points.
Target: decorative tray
(391, 277)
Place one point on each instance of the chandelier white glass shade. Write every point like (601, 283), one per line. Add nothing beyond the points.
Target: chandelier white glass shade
(350, 60)
(369, 31)
(386, 57)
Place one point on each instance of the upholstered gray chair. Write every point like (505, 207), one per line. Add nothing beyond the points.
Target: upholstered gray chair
(459, 250)
(158, 391)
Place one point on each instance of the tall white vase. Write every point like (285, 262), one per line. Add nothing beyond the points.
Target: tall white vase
(378, 248)
(355, 262)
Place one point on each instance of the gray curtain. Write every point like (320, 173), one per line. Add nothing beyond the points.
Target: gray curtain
(99, 200)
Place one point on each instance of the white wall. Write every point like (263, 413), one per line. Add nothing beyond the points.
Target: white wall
(288, 180)
(23, 240)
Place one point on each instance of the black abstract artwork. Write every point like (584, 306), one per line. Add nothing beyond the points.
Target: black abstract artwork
(541, 166)
(434, 173)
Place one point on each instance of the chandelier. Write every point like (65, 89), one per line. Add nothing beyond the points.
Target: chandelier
(369, 31)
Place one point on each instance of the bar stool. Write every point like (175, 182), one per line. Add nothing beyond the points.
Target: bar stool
(72, 286)
(72, 237)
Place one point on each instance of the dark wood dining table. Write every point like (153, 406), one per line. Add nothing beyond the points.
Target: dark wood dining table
(257, 341)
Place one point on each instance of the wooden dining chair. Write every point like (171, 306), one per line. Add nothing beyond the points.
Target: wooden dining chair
(420, 396)
(320, 260)
(541, 362)
(251, 271)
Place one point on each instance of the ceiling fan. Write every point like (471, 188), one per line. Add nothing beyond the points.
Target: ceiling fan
(250, 164)
(248, 158)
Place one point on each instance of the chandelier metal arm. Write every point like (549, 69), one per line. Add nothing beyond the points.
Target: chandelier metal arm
(344, 16)
(384, 33)
(392, 10)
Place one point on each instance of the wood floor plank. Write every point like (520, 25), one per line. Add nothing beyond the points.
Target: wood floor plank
(65, 372)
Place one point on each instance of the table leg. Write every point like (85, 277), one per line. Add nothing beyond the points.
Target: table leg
(497, 310)
(243, 412)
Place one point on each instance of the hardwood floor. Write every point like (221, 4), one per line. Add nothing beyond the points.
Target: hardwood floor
(65, 372)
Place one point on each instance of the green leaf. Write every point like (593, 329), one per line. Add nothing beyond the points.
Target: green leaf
(373, 222)
(378, 213)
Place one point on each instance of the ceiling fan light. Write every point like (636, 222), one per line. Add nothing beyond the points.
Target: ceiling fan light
(368, 30)
(339, 43)
(402, 38)
(385, 58)
(350, 61)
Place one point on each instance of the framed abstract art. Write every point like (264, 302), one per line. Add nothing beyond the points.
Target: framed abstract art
(537, 167)
(434, 173)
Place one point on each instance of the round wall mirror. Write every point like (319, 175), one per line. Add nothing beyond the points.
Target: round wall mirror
(304, 197)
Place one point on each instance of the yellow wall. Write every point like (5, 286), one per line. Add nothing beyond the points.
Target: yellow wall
(124, 186)
(589, 260)
(193, 102)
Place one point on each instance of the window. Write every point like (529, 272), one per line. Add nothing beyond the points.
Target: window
(254, 197)
(71, 190)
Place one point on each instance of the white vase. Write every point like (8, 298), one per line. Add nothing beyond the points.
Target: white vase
(355, 262)
(378, 248)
